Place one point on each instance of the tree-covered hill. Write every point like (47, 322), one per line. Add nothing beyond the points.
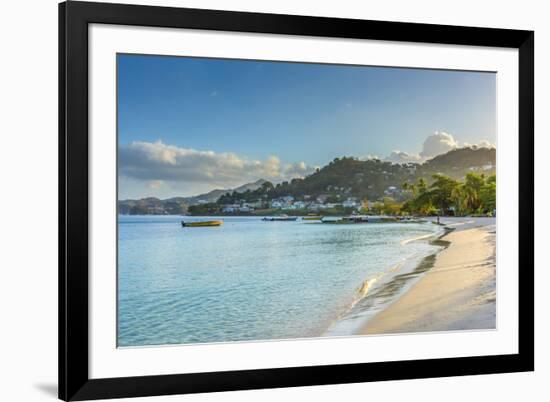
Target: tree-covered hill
(343, 178)
(372, 179)
(459, 162)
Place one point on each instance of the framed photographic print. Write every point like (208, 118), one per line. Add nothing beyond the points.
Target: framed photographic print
(257, 200)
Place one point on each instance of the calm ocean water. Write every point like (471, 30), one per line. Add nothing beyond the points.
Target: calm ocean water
(248, 279)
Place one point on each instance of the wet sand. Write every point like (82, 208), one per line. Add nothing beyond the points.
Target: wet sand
(457, 293)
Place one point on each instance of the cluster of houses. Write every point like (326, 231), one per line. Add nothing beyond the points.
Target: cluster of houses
(288, 203)
(242, 207)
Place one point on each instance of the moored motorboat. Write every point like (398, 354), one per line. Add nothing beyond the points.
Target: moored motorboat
(280, 218)
(312, 218)
(347, 220)
(200, 224)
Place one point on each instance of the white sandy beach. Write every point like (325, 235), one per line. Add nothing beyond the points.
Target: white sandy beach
(458, 293)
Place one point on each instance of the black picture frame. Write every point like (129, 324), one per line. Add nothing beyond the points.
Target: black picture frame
(74, 381)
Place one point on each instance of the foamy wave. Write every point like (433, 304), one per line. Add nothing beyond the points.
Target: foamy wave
(460, 223)
(358, 314)
(363, 290)
(407, 241)
(439, 231)
(365, 286)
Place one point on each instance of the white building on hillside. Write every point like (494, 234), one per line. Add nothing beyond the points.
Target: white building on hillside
(390, 190)
(350, 203)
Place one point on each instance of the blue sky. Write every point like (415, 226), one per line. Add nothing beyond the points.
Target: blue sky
(188, 125)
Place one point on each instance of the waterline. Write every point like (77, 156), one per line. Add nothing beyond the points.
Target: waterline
(389, 287)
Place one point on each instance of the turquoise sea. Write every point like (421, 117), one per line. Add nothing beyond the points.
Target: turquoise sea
(253, 280)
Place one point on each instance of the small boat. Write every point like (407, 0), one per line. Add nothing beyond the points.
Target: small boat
(346, 220)
(200, 224)
(312, 218)
(280, 218)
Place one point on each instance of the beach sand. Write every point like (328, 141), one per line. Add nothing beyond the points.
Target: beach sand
(458, 293)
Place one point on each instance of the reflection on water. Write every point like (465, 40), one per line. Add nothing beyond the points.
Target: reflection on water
(254, 280)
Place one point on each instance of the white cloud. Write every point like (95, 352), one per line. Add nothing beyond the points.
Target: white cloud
(485, 144)
(435, 144)
(156, 163)
(403, 157)
(299, 169)
(162, 168)
(369, 157)
(480, 144)
(438, 143)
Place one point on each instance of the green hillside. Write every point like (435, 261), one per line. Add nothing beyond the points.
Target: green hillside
(373, 179)
(343, 178)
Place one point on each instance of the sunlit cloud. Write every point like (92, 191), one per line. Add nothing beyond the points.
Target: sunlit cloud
(368, 157)
(403, 157)
(157, 162)
(481, 144)
(435, 144)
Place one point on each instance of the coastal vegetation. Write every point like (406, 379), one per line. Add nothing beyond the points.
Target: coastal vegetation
(372, 179)
(476, 194)
(459, 182)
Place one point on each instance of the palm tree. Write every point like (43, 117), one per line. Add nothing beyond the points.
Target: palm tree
(442, 190)
(457, 198)
(472, 186)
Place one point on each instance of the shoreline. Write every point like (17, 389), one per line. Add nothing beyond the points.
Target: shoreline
(458, 292)
(388, 286)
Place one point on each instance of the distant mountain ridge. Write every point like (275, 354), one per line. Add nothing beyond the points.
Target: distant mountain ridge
(342, 178)
(178, 205)
(250, 186)
(212, 196)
